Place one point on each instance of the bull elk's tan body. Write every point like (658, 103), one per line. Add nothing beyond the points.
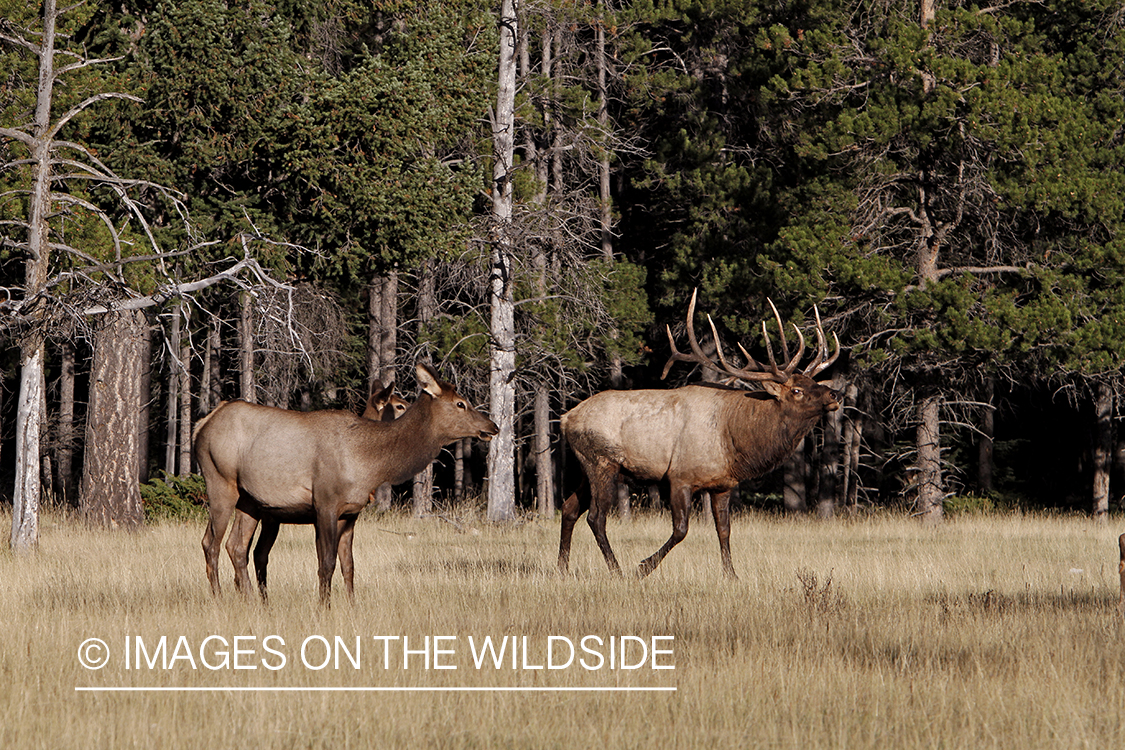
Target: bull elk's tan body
(319, 467)
(695, 438)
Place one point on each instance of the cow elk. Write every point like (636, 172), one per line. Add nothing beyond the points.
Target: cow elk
(383, 405)
(700, 437)
(318, 468)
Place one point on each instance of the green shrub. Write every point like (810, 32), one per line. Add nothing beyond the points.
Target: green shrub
(175, 498)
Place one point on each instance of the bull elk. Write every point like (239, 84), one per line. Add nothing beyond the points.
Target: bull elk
(319, 467)
(700, 437)
(382, 405)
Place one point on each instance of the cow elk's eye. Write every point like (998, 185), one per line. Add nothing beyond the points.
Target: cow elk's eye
(461, 405)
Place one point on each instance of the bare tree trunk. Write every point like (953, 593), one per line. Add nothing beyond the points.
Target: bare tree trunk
(110, 493)
(29, 415)
(829, 463)
(25, 502)
(382, 344)
(65, 451)
(185, 392)
(173, 396)
(374, 331)
(502, 349)
(246, 387)
(423, 489)
(853, 441)
(1103, 449)
(928, 488)
(544, 466)
(458, 471)
(793, 490)
(984, 449)
(145, 415)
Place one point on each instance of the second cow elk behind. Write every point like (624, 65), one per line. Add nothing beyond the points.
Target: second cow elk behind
(319, 467)
(696, 438)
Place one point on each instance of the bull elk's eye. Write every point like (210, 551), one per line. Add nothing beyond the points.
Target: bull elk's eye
(798, 391)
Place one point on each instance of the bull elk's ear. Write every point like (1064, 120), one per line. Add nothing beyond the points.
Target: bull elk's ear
(428, 379)
(773, 388)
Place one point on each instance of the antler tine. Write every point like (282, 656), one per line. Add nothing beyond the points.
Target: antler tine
(781, 332)
(697, 356)
(820, 364)
(723, 367)
(791, 366)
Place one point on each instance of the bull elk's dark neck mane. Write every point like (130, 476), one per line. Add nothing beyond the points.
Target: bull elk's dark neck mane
(762, 438)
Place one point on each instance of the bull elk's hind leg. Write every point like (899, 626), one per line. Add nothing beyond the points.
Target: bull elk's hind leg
(270, 527)
(572, 509)
(679, 497)
(603, 486)
(720, 509)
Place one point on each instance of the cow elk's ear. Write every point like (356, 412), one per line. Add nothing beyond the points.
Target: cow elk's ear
(428, 379)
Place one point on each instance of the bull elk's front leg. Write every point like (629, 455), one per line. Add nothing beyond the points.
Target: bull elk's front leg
(680, 499)
(720, 510)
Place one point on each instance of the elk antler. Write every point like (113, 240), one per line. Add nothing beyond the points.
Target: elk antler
(754, 371)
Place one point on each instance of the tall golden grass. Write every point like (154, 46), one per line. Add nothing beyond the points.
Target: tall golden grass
(996, 632)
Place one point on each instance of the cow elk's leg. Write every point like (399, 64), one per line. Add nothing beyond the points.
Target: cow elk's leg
(238, 547)
(680, 499)
(572, 509)
(720, 509)
(270, 527)
(344, 552)
(603, 494)
(221, 502)
(327, 542)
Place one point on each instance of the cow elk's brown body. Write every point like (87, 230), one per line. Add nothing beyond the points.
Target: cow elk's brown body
(383, 405)
(317, 468)
(695, 438)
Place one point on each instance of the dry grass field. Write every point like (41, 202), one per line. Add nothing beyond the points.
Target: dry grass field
(995, 632)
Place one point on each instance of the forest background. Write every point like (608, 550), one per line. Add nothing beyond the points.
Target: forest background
(285, 201)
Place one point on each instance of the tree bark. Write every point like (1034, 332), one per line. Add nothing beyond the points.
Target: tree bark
(928, 486)
(544, 465)
(110, 493)
(29, 415)
(984, 449)
(793, 489)
(853, 441)
(184, 370)
(423, 486)
(246, 387)
(65, 453)
(502, 347)
(171, 433)
(25, 502)
(829, 464)
(1103, 449)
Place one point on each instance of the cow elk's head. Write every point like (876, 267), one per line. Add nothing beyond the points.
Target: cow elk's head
(795, 390)
(458, 419)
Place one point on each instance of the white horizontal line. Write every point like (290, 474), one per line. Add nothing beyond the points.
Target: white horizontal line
(374, 689)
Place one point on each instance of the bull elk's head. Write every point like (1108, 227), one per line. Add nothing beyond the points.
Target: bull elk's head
(784, 383)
